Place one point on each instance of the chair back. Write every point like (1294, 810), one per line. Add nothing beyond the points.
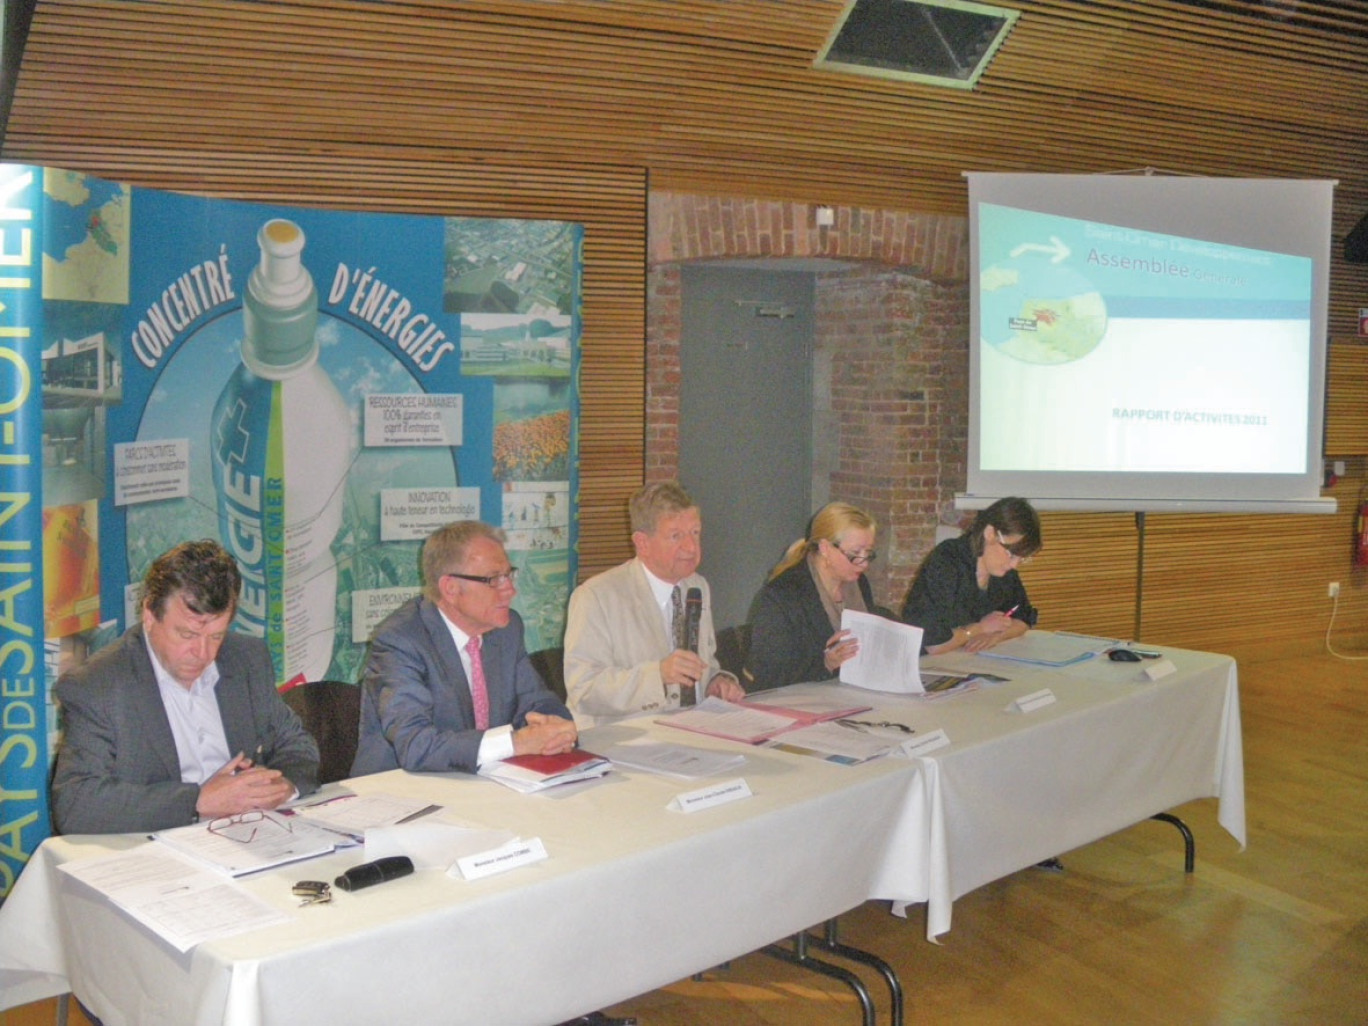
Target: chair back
(550, 666)
(733, 646)
(331, 711)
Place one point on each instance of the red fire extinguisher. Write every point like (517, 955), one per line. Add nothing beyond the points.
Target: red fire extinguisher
(1361, 530)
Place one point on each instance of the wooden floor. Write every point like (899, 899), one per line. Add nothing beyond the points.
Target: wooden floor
(1275, 935)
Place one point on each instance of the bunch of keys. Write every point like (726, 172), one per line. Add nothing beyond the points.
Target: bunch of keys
(313, 892)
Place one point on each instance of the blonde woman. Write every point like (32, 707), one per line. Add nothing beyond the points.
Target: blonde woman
(796, 619)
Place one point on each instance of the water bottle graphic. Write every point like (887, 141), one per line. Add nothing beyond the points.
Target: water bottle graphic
(281, 447)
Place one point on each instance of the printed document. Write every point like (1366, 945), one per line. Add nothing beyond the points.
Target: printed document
(354, 814)
(180, 901)
(238, 845)
(889, 655)
(683, 761)
(751, 722)
(1046, 648)
(836, 742)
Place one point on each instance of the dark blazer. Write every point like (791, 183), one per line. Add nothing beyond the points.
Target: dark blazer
(946, 595)
(416, 711)
(117, 767)
(789, 629)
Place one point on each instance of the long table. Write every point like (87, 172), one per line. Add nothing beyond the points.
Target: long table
(635, 896)
(1015, 788)
(632, 897)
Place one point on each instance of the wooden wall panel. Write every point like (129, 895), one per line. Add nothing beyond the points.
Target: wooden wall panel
(1346, 402)
(1084, 578)
(1252, 584)
(563, 109)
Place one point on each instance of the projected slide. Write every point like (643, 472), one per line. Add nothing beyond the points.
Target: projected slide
(1106, 348)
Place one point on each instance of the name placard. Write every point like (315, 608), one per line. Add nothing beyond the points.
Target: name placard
(707, 797)
(497, 860)
(1161, 669)
(938, 738)
(1035, 700)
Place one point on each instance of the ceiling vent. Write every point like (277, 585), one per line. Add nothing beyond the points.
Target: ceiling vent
(939, 42)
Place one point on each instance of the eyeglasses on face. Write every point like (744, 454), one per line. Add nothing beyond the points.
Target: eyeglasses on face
(1015, 557)
(492, 581)
(859, 558)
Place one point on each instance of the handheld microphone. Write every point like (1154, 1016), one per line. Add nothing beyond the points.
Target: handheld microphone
(693, 616)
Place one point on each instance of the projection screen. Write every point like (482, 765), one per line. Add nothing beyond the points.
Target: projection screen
(1147, 342)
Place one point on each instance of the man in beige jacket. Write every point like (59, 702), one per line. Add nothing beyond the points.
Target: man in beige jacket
(623, 652)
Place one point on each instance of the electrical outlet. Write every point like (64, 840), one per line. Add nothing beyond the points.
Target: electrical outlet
(1333, 590)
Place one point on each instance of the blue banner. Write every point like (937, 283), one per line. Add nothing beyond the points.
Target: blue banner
(24, 726)
(319, 390)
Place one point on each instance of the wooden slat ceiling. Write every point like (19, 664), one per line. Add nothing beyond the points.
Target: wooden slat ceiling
(712, 96)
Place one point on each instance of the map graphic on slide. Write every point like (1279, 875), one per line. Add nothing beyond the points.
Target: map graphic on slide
(1039, 310)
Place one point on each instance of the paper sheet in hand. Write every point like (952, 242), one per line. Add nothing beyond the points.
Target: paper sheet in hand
(889, 655)
(181, 902)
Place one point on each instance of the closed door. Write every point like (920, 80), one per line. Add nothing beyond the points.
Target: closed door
(745, 421)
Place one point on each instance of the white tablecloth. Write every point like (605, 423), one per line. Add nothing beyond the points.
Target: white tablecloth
(632, 897)
(1014, 788)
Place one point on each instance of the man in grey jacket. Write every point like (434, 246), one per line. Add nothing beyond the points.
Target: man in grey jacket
(179, 720)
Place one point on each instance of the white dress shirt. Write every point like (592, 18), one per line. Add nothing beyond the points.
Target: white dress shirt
(497, 742)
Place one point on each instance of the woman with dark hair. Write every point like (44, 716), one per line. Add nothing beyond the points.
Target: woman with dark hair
(967, 594)
(796, 631)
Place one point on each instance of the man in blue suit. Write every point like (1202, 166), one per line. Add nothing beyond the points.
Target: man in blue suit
(447, 683)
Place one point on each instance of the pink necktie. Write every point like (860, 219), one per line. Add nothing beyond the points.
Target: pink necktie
(479, 692)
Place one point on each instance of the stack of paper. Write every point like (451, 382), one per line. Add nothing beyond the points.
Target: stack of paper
(353, 814)
(1042, 648)
(182, 903)
(750, 722)
(681, 761)
(837, 743)
(528, 773)
(938, 685)
(238, 845)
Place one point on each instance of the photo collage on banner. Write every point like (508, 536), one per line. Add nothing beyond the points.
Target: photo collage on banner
(316, 389)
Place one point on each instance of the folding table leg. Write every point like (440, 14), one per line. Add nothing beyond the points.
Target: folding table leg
(1189, 844)
(799, 956)
(831, 942)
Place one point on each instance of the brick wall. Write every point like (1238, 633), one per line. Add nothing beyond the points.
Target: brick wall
(663, 328)
(897, 368)
(890, 350)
